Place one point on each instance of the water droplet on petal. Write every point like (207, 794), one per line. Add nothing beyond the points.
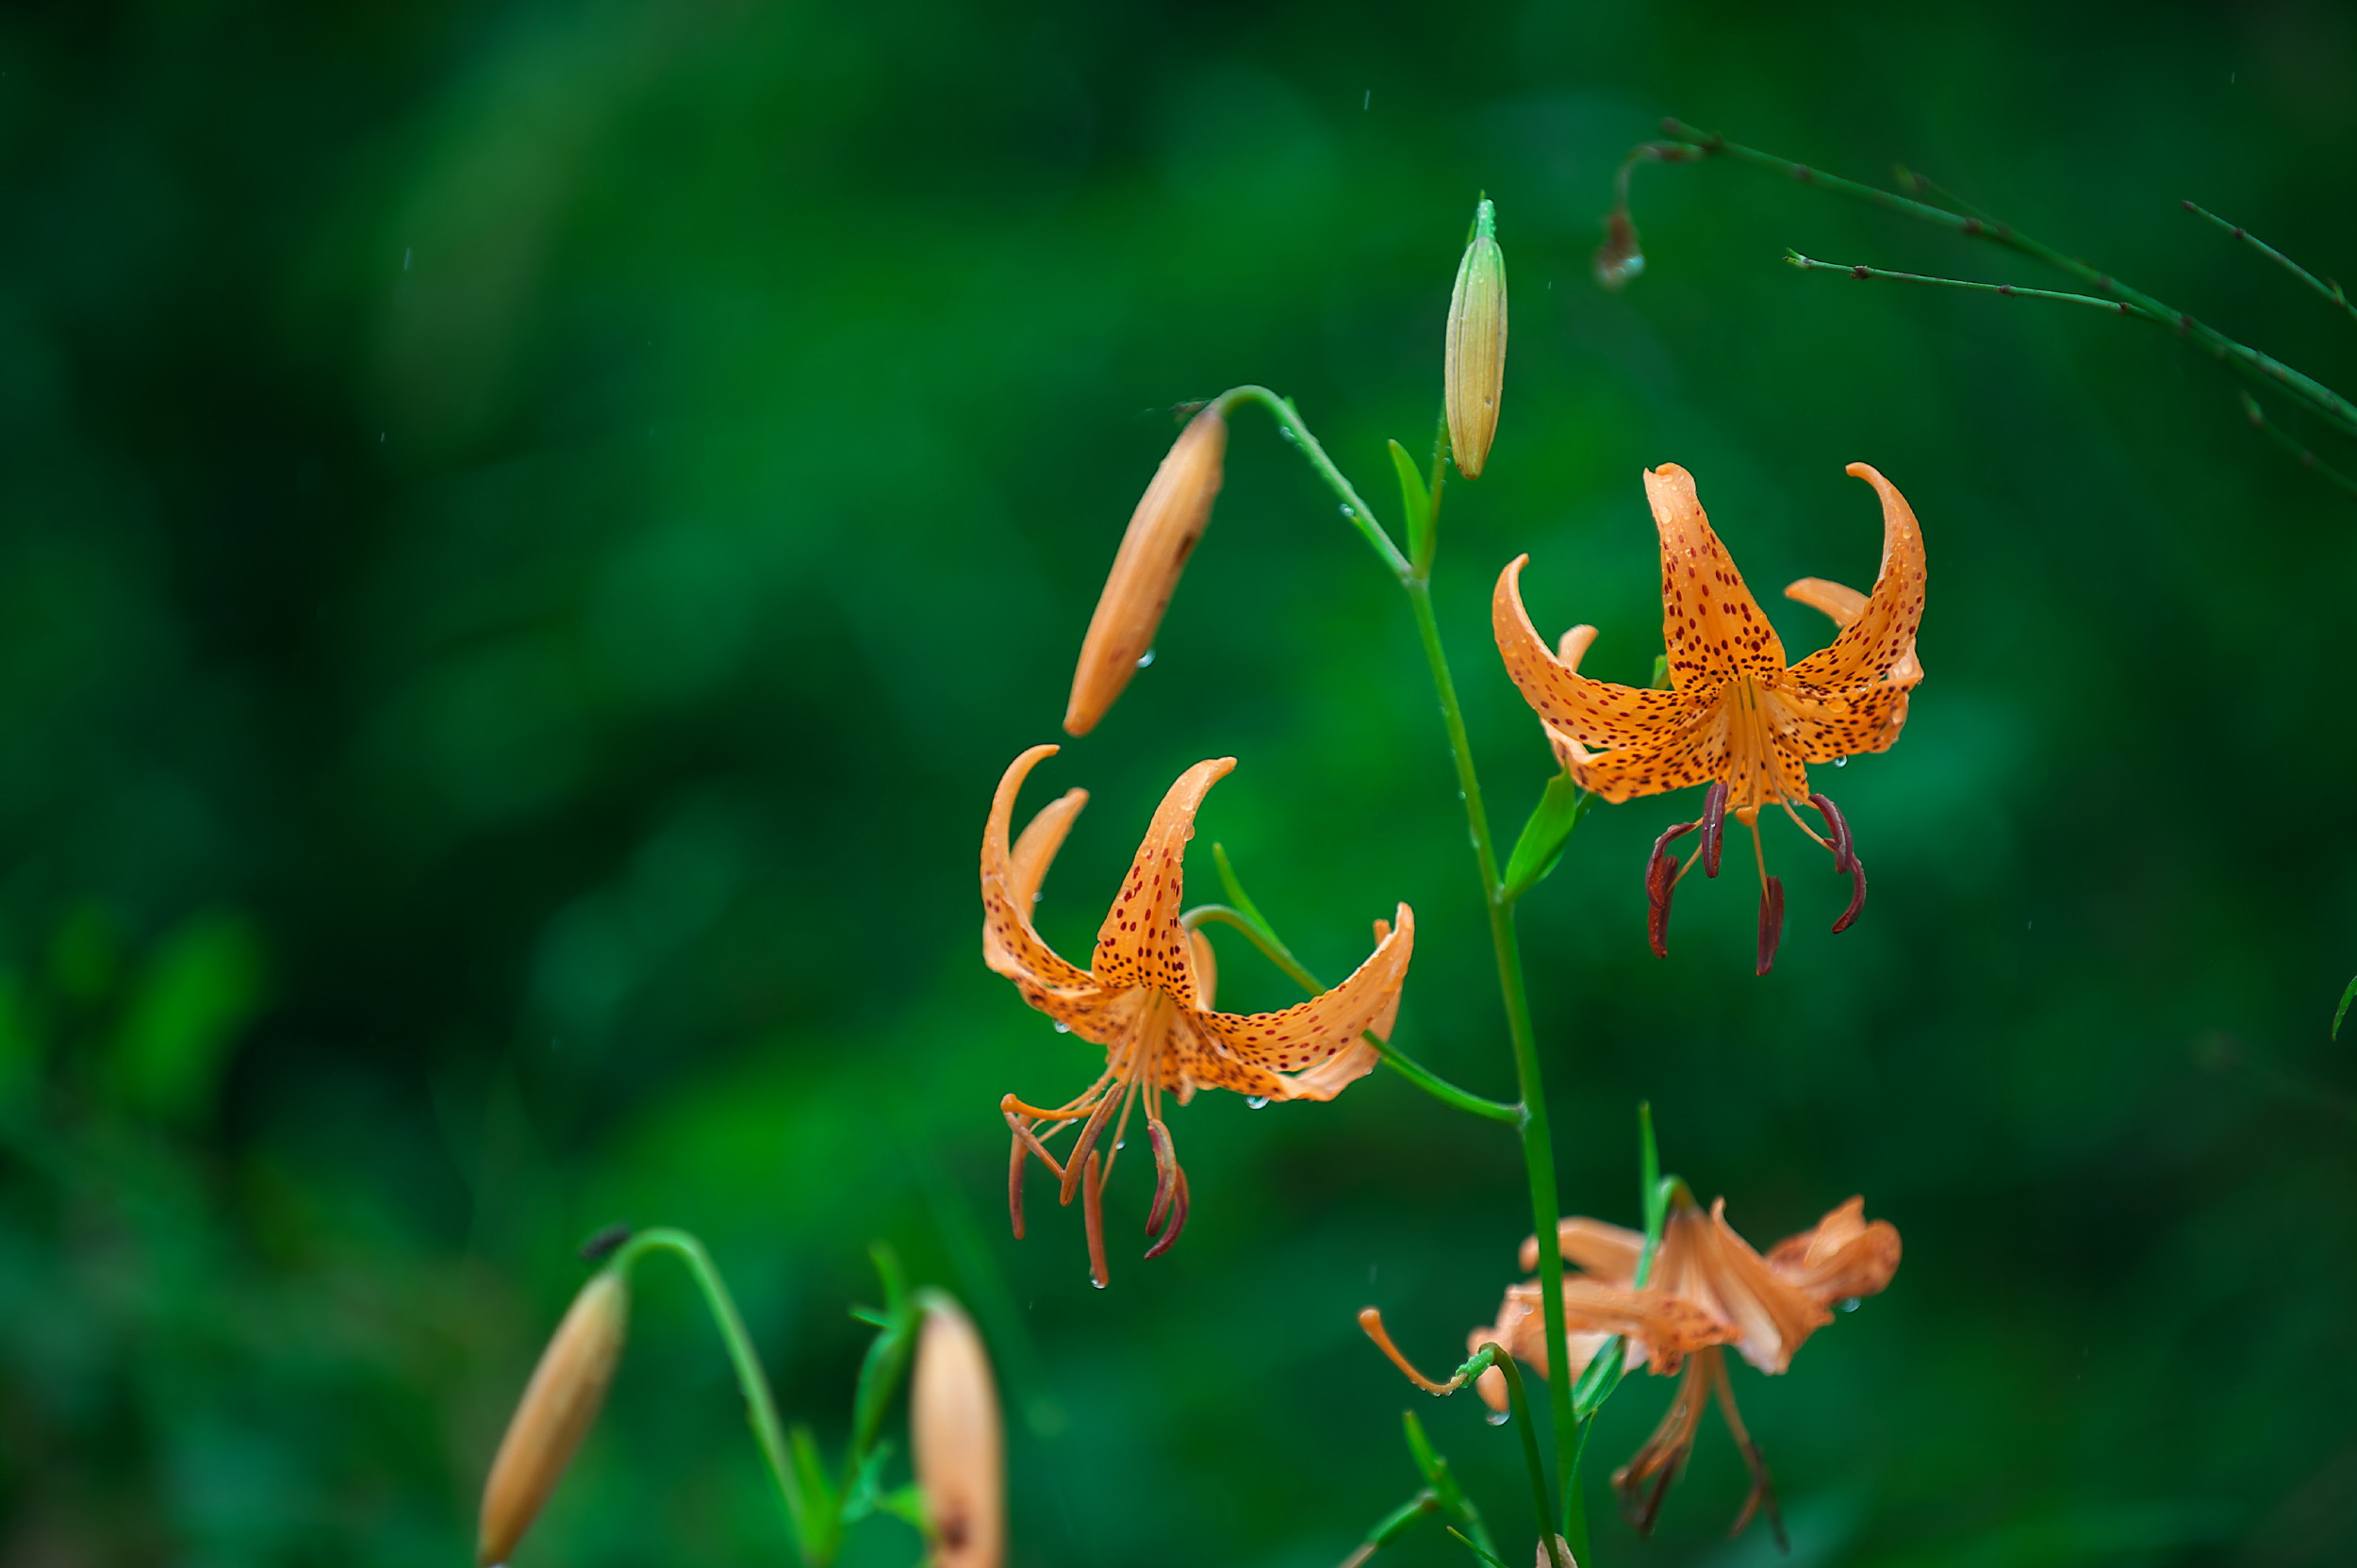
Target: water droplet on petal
(1498, 1418)
(1256, 1102)
(1062, 1028)
(1841, 762)
(1146, 658)
(1095, 1281)
(1850, 1305)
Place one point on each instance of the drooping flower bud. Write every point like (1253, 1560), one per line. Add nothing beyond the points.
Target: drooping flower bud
(1170, 517)
(559, 1405)
(1474, 365)
(1619, 257)
(960, 1446)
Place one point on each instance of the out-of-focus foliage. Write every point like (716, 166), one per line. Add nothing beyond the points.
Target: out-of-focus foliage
(527, 533)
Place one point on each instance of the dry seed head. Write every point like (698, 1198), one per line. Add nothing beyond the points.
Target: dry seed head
(959, 1441)
(1474, 365)
(1170, 517)
(556, 1414)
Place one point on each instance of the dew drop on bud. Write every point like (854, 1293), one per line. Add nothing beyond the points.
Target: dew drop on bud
(1256, 1102)
(1497, 1418)
(1146, 658)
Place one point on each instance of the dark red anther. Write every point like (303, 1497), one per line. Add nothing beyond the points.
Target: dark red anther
(1093, 1214)
(1177, 1218)
(1714, 826)
(1858, 895)
(1771, 923)
(1014, 1187)
(1661, 879)
(1844, 853)
(1165, 1173)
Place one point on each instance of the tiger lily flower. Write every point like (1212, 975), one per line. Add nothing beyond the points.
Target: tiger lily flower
(1735, 716)
(1708, 1291)
(1147, 996)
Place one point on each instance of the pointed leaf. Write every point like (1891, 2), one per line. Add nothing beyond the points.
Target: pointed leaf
(1416, 503)
(2342, 1012)
(1541, 845)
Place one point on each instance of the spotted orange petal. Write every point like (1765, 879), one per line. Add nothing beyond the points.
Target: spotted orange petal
(1878, 644)
(1812, 723)
(1594, 713)
(1010, 945)
(1308, 1033)
(1141, 941)
(1711, 626)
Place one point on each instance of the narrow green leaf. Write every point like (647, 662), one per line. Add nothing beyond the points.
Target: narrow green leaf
(1429, 1459)
(1541, 847)
(906, 1504)
(1475, 1550)
(1662, 672)
(2342, 1012)
(1416, 503)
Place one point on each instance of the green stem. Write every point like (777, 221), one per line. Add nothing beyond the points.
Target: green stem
(761, 1406)
(1810, 264)
(1530, 1117)
(1542, 1502)
(2263, 369)
(1354, 505)
(2330, 291)
(2305, 458)
(1398, 1060)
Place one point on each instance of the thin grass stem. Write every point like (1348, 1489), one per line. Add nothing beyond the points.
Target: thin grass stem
(2331, 292)
(1811, 264)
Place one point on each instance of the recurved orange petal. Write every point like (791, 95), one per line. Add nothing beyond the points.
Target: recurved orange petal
(1711, 626)
(1703, 1262)
(1877, 643)
(1010, 879)
(1309, 1034)
(1608, 1253)
(1600, 714)
(1141, 941)
(1841, 1257)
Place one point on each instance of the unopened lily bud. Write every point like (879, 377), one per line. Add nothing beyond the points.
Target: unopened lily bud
(1474, 365)
(1560, 1557)
(558, 1406)
(959, 1444)
(1170, 517)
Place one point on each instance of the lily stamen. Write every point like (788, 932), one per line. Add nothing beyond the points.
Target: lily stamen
(1763, 1486)
(1093, 1217)
(1371, 1321)
(1165, 1175)
(1177, 1214)
(1714, 826)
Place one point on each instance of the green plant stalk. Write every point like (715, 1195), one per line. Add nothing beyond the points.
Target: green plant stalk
(2300, 454)
(1246, 921)
(2331, 292)
(760, 1406)
(1541, 1501)
(1531, 1119)
(1538, 1146)
(2266, 369)
(1354, 505)
(1810, 264)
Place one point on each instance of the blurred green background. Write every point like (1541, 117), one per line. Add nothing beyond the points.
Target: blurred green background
(532, 530)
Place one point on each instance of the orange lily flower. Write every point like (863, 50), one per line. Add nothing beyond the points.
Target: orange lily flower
(1707, 1291)
(1735, 715)
(1147, 998)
